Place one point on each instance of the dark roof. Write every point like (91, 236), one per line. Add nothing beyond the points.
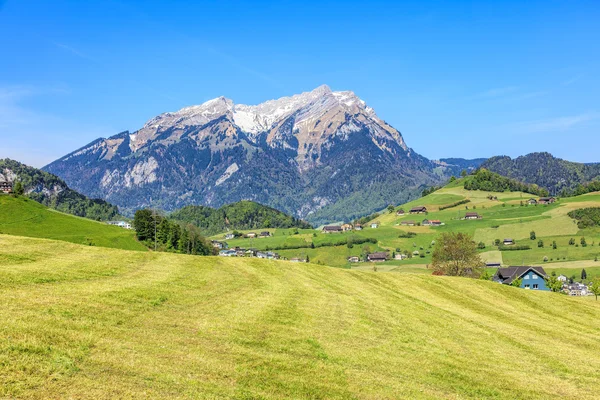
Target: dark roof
(332, 228)
(419, 208)
(546, 198)
(471, 214)
(408, 222)
(379, 255)
(509, 274)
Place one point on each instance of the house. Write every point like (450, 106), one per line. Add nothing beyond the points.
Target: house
(399, 256)
(240, 252)
(120, 224)
(229, 236)
(261, 254)
(532, 201)
(332, 229)
(418, 210)
(508, 242)
(400, 212)
(265, 234)
(219, 245)
(576, 289)
(562, 278)
(408, 223)
(435, 222)
(227, 253)
(533, 278)
(492, 265)
(6, 187)
(296, 259)
(377, 257)
(251, 234)
(358, 227)
(426, 222)
(272, 256)
(472, 215)
(346, 227)
(251, 253)
(353, 259)
(546, 200)
(374, 225)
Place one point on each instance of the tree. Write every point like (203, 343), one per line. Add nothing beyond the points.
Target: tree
(583, 242)
(583, 274)
(553, 283)
(307, 258)
(456, 254)
(571, 242)
(540, 243)
(532, 235)
(452, 178)
(595, 287)
(517, 282)
(463, 173)
(497, 242)
(18, 189)
(390, 208)
(481, 245)
(554, 244)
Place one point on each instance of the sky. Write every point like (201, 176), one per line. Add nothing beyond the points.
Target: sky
(456, 78)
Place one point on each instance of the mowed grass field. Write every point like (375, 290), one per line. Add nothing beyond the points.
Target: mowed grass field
(97, 323)
(25, 217)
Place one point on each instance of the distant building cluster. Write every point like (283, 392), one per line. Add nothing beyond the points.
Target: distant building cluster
(120, 224)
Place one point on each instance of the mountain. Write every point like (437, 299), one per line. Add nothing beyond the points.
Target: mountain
(240, 215)
(456, 165)
(51, 191)
(543, 169)
(320, 155)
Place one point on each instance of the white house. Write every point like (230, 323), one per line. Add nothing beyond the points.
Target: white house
(562, 278)
(374, 225)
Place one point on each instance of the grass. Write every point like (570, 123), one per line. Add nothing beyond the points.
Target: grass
(90, 322)
(24, 217)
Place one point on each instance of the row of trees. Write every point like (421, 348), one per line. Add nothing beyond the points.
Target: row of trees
(489, 181)
(163, 234)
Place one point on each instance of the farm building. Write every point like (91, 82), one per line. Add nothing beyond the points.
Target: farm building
(408, 223)
(508, 242)
(332, 229)
(418, 210)
(377, 257)
(6, 187)
(546, 200)
(472, 215)
(532, 201)
(400, 212)
(353, 259)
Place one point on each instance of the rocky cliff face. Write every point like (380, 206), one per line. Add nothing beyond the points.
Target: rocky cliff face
(320, 155)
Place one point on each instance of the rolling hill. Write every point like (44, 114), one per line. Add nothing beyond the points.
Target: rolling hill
(90, 322)
(504, 215)
(25, 217)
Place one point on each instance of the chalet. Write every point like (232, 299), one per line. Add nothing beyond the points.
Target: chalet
(358, 227)
(346, 227)
(229, 236)
(353, 259)
(251, 252)
(219, 245)
(265, 234)
(120, 224)
(508, 242)
(268, 255)
(332, 229)
(228, 253)
(6, 187)
(377, 257)
(408, 223)
(399, 256)
(576, 289)
(546, 200)
(374, 225)
(400, 212)
(532, 201)
(251, 235)
(240, 252)
(418, 210)
(472, 215)
(533, 278)
(426, 222)
(562, 278)
(435, 222)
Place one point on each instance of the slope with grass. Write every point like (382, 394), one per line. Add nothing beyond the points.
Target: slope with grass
(504, 215)
(25, 217)
(89, 322)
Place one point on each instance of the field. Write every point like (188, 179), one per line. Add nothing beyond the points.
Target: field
(508, 216)
(24, 217)
(99, 323)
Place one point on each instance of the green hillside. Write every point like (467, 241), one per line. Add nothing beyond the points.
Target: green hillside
(88, 322)
(25, 217)
(504, 215)
(236, 216)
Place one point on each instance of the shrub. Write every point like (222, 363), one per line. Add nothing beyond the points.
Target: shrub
(545, 259)
(481, 245)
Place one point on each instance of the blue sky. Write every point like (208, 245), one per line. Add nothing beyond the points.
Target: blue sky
(458, 79)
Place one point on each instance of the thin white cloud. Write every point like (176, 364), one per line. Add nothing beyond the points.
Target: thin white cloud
(557, 124)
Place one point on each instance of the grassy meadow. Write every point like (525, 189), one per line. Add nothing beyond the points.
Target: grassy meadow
(88, 322)
(24, 217)
(508, 216)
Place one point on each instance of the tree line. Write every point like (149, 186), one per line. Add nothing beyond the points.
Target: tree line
(489, 181)
(163, 234)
